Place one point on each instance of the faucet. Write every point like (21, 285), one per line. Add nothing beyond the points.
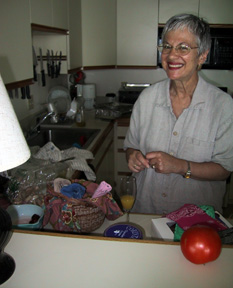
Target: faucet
(49, 114)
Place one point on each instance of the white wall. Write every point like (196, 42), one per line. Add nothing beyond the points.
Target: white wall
(109, 81)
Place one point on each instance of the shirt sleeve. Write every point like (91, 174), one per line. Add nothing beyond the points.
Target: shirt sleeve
(223, 150)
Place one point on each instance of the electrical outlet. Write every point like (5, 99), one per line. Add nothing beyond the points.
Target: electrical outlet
(31, 103)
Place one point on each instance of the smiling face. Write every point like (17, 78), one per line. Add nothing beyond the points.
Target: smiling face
(182, 68)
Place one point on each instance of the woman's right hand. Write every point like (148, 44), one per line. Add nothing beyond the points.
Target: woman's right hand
(136, 160)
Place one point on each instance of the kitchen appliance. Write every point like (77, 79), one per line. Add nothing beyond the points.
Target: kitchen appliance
(221, 52)
(88, 92)
(129, 92)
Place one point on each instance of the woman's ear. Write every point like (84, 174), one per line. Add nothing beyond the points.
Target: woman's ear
(203, 57)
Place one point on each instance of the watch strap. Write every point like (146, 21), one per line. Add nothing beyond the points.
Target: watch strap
(188, 173)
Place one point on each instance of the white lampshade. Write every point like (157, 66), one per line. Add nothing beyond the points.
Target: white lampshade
(14, 150)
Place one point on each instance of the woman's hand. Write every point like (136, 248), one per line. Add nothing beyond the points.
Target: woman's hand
(162, 162)
(136, 160)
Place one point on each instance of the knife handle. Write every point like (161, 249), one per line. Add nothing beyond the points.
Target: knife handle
(56, 70)
(43, 77)
(28, 92)
(59, 68)
(52, 71)
(34, 73)
(48, 69)
(23, 93)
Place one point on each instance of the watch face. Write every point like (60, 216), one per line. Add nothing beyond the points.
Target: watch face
(188, 174)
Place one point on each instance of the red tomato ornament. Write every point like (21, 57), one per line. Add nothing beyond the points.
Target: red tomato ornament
(201, 244)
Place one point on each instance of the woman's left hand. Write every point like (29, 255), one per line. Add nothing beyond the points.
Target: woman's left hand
(162, 162)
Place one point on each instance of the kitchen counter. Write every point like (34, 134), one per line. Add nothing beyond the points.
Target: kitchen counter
(67, 260)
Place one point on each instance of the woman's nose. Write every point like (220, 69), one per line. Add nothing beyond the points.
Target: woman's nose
(173, 51)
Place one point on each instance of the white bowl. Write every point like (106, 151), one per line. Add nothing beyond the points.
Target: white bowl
(21, 215)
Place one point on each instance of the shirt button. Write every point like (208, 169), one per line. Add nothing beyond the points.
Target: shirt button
(175, 133)
(164, 194)
(171, 153)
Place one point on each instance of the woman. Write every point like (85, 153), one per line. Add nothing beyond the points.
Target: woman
(180, 141)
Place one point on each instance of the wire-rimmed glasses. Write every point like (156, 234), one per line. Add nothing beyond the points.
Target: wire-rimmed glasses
(181, 49)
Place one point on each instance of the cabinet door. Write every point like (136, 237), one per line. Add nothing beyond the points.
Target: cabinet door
(75, 34)
(217, 11)
(104, 161)
(60, 14)
(15, 38)
(137, 23)
(42, 12)
(121, 166)
(98, 32)
(53, 13)
(169, 8)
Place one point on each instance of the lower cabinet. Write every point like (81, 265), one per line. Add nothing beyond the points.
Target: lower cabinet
(104, 160)
(121, 166)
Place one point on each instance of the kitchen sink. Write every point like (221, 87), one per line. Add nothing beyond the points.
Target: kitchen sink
(64, 138)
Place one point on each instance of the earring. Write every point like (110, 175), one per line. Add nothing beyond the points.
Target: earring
(199, 67)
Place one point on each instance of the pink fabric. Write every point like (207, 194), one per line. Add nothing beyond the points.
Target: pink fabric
(102, 189)
(189, 215)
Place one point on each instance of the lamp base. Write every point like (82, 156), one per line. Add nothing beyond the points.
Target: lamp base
(7, 263)
(7, 267)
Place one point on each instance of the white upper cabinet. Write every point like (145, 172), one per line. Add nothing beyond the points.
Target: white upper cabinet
(75, 35)
(53, 13)
(15, 38)
(60, 14)
(214, 11)
(217, 11)
(137, 23)
(41, 12)
(98, 32)
(169, 8)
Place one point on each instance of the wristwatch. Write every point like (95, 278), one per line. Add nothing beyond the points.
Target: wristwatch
(188, 173)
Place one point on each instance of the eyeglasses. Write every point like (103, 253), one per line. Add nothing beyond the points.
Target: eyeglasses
(181, 49)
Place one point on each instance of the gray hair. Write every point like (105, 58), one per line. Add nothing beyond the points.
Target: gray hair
(195, 25)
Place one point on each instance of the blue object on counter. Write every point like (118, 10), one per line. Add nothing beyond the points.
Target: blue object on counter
(121, 230)
(74, 190)
(77, 145)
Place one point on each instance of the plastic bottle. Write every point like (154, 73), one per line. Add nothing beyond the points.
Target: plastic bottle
(80, 117)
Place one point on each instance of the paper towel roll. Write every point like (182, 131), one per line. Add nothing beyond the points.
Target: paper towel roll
(89, 95)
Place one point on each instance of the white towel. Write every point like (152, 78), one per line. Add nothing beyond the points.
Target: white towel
(54, 154)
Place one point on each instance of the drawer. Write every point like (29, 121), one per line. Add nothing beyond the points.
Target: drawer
(120, 143)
